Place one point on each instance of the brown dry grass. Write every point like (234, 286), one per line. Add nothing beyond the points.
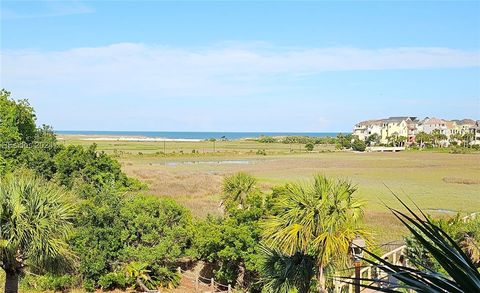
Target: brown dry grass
(461, 180)
(420, 175)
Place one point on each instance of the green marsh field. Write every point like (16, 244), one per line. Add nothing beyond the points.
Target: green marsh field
(192, 173)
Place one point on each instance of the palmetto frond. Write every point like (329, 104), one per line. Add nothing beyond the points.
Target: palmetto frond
(238, 186)
(284, 273)
(322, 216)
(35, 221)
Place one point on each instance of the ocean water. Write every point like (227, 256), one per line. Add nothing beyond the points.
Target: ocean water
(195, 135)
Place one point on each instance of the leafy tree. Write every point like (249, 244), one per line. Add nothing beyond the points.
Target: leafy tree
(156, 231)
(397, 140)
(344, 141)
(456, 137)
(232, 243)
(321, 218)
(372, 139)
(113, 230)
(35, 222)
(468, 138)
(423, 138)
(40, 156)
(77, 165)
(438, 137)
(21, 143)
(359, 145)
(98, 235)
(309, 146)
(17, 125)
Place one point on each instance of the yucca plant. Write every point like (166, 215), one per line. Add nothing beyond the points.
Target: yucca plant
(460, 275)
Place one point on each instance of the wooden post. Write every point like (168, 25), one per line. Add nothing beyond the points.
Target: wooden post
(357, 276)
(229, 288)
(179, 270)
(212, 285)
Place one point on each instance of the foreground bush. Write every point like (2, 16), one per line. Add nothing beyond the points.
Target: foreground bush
(113, 231)
(49, 282)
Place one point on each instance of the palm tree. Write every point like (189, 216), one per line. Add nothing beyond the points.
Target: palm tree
(286, 273)
(35, 222)
(321, 218)
(237, 187)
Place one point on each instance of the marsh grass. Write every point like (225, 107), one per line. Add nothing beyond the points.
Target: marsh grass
(435, 180)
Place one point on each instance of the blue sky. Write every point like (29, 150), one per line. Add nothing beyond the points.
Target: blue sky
(240, 66)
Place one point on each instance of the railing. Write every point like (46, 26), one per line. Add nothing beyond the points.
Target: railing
(198, 280)
(369, 271)
(393, 256)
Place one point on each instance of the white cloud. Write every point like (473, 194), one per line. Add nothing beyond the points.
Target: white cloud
(216, 71)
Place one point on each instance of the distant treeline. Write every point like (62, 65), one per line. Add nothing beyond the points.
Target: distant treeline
(298, 139)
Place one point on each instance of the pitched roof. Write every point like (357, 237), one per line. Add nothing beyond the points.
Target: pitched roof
(433, 120)
(450, 124)
(466, 122)
(370, 122)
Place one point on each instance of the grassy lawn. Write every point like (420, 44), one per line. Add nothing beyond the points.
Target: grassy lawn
(436, 181)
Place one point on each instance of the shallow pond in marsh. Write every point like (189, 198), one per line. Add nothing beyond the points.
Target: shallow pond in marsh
(217, 162)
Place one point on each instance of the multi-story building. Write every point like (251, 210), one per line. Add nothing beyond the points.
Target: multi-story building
(366, 128)
(428, 125)
(397, 126)
(452, 128)
(409, 127)
(465, 125)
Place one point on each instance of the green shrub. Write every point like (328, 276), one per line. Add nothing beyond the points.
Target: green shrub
(112, 280)
(49, 282)
(89, 285)
(166, 278)
(261, 152)
(309, 146)
(359, 145)
(3, 166)
(267, 139)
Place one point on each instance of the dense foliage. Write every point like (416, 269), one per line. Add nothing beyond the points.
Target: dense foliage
(298, 140)
(114, 231)
(231, 244)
